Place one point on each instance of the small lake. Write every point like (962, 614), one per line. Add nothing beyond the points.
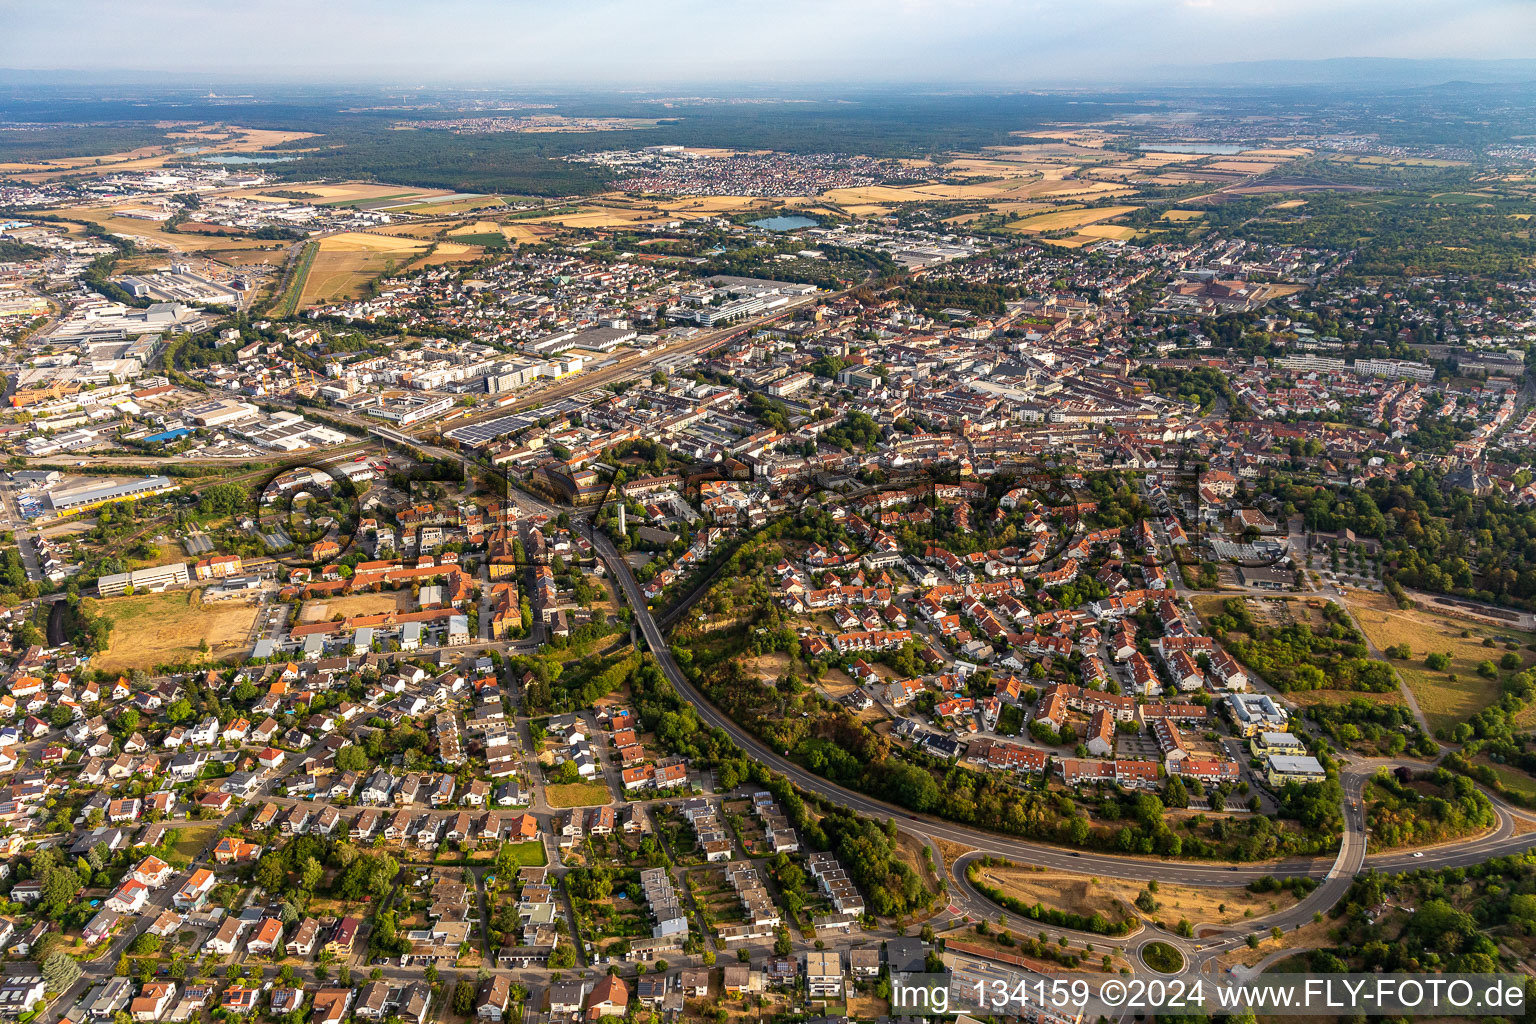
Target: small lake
(1203, 148)
(241, 158)
(784, 223)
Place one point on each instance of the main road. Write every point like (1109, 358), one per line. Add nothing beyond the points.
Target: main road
(1349, 860)
(1337, 874)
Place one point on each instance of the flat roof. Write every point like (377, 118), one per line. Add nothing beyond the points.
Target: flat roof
(1298, 763)
(84, 495)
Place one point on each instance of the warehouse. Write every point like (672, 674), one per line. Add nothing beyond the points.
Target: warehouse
(220, 412)
(70, 499)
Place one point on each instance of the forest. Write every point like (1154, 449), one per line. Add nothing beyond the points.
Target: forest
(1431, 808)
(1455, 919)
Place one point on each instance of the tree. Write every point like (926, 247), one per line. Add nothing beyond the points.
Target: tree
(562, 957)
(271, 872)
(463, 997)
(59, 888)
(310, 873)
(351, 758)
(60, 971)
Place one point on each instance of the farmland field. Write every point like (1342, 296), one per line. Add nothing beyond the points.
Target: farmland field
(1117, 231)
(1075, 217)
(155, 629)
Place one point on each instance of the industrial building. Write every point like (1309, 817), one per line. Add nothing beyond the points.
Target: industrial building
(154, 579)
(76, 497)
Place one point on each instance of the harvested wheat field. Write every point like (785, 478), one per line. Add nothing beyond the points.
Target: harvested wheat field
(1119, 232)
(601, 217)
(153, 233)
(346, 262)
(710, 204)
(1072, 217)
(1183, 215)
(348, 192)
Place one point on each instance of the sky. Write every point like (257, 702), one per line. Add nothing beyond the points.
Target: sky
(646, 43)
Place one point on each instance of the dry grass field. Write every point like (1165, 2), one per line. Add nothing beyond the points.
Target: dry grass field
(1309, 936)
(1115, 897)
(155, 629)
(516, 232)
(466, 205)
(706, 204)
(577, 794)
(1183, 215)
(356, 604)
(351, 191)
(1457, 693)
(346, 262)
(474, 227)
(605, 217)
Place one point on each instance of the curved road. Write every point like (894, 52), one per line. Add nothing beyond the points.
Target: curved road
(1088, 862)
(1337, 876)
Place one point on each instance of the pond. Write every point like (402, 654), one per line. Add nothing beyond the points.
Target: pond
(241, 158)
(787, 222)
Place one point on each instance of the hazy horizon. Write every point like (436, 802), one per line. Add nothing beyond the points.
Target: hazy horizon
(601, 44)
